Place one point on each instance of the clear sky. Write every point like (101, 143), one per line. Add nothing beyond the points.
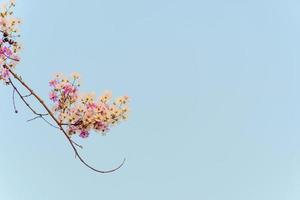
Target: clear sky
(215, 100)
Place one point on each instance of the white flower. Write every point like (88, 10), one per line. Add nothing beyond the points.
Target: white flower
(3, 6)
(13, 2)
(75, 75)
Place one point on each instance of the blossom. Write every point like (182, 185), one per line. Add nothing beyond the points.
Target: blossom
(58, 76)
(9, 47)
(3, 6)
(84, 134)
(122, 100)
(53, 83)
(13, 2)
(82, 112)
(6, 51)
(4, 74)
(91, 106)
(53, 96)
(68, 89)
(75, 75)
(105, 96)
(101, 126)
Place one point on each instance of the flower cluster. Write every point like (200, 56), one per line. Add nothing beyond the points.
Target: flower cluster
(9, 47)
(83, 113)
(80, 113)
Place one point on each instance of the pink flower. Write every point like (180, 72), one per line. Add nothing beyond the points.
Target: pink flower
(53, 83)
(74, 95)
(91, 106)
(80, 112)
(68, 89)
(7, 51)
(84, 134)
(53, 96)
(4, 74)
(17, 58)
(101, 126)
(72, 129)
(102, 108)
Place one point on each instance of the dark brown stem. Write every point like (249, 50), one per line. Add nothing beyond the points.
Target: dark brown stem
(56, 121)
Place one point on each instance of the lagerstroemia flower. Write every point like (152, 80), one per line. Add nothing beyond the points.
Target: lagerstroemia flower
(53, 96)
(84, 134)
(9, 47)
(4, 74)
(83, 113)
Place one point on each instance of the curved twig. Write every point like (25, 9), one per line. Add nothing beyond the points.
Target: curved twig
(26, 103)
(14, 101)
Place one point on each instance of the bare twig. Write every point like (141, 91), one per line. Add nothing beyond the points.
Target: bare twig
(22, 98)
(14, 101)
(28, 95)
(80, 146)
(43, 118)
(29, 120)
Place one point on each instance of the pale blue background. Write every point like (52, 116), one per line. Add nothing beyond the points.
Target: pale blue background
(215, 100)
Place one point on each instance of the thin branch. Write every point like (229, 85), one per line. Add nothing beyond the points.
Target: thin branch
(25, 96)
(14, 59)
(14, 101)
(22, 98)
(43, 118)
(80, 146)
(58, 123)
(29, 120)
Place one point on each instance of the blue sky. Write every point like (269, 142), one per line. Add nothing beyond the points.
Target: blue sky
(215, 100)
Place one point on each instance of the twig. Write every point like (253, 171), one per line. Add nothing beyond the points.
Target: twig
(43, 118)
(14, 59)
(14, 101)
(81, 147)
(25, 96)
(26, 103)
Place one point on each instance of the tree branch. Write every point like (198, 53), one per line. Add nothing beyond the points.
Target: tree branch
(72, 143)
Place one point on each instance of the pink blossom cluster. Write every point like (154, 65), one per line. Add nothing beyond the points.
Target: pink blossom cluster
(83, 113)
(4, 74)
(9, 47)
